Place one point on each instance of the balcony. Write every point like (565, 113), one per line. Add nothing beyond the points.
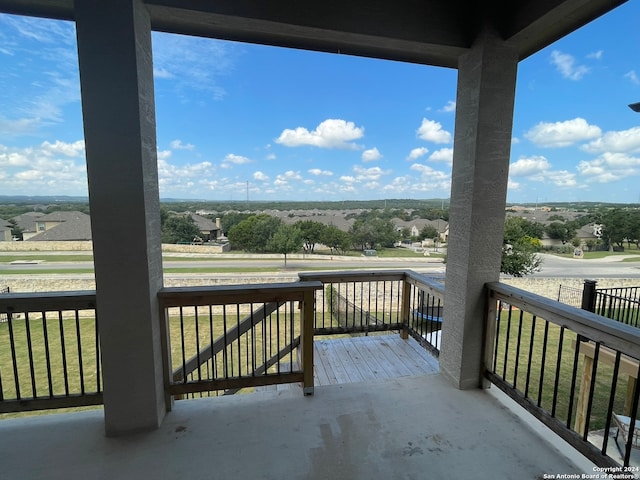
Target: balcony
(376, 404)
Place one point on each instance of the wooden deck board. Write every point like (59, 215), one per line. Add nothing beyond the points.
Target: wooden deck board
(363, 359)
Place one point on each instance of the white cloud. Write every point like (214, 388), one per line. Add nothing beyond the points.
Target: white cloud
(562, 134)
(178, 145)
(285, 178)
(449, 107)
(442, 155)
(332, 133)
(610, 167)
(162, 73)
(430, 178)
(432, 131)
(368, 174)
(416, 153)
(567, 66)
(317, 172)
(48, 168)
(74, 149)
(191, 63)
(232, 159)
(371, 155)
(20, 126)
(260, 176)
(621, 141)
(348, 179)
(596, 55)
(529, 167)
(562, 178)
(43, 49)
(538, 168)
(631, 75)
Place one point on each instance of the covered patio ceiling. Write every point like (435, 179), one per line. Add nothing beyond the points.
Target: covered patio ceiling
(431, 32)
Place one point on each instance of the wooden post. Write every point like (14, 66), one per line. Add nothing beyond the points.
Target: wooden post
(405, 309)
(583, 396)
(307, 321)
(628, 401)
(489, 338)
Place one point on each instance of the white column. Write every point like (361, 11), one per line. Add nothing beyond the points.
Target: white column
(116, 76)
(484, 116)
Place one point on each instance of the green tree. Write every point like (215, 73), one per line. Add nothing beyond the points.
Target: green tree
(286, 239)
(516, 228)
(311, 233)
(561, 231)
(253, 233)
(615, 227)
(178, 228)
(374, 232)
(16, 231)
(229, 219)
(519, 259)
(521, 242)
(428, 232)
(337, 240)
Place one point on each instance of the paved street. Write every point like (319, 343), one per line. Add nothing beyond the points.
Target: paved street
(552, 266)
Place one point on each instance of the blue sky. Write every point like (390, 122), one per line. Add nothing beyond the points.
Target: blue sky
(295, 125)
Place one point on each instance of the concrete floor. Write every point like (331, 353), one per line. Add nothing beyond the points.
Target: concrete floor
(413, 427)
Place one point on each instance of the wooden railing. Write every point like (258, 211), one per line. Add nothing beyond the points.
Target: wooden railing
(49, 351)
(367, 302)
(218, 340)
(223, 339)
(574, 370)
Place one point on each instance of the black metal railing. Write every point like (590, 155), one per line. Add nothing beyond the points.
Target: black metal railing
(357, 302)
(574, 370)
(49, 352)
(223, 339)
(621, 304)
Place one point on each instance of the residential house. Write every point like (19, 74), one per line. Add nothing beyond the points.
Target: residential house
(5, 231)
(210, 231)
(27, 223)
(63, 226)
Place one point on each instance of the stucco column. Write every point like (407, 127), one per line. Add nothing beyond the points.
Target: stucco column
(116, 77)
(484, 116)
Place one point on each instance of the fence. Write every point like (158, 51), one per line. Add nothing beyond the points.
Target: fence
(223, 339)
(619, 303)
(572, 369)
(367, 302)
(49, 352)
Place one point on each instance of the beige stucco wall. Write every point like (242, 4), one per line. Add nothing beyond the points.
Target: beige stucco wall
(45, 246)
(547, 287)
(87, 246)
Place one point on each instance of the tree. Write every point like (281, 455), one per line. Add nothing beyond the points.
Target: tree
(229, 219)
(519, 256)
(429, 231)
(16, 231)
(337, 240)
(516, 228)
(561, 231)
(311, 232)
(178, 228)
(519, 259)
(253, 233)
(286, 239)
(374, 232)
